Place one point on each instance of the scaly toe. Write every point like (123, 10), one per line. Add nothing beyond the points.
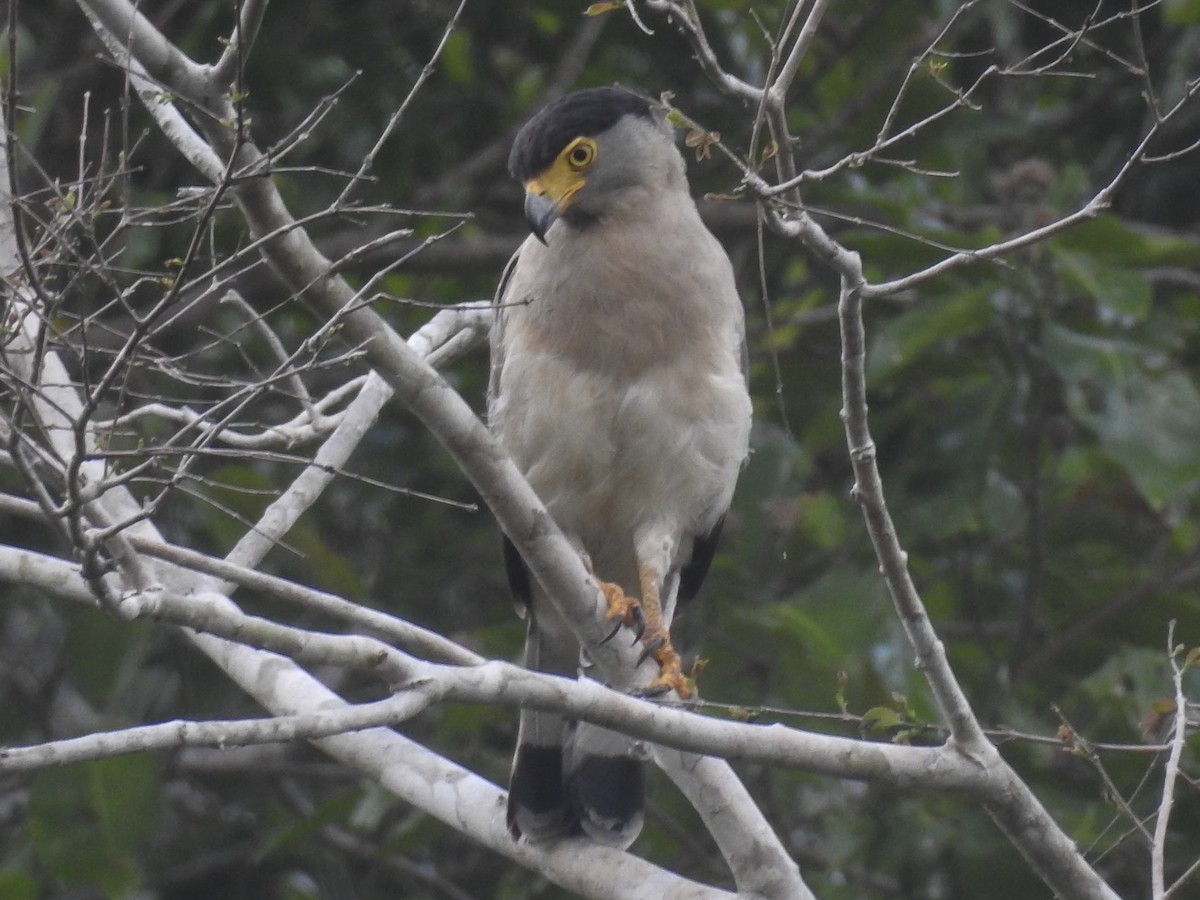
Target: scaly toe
(670, 674)
(625, 609)
(667, 682)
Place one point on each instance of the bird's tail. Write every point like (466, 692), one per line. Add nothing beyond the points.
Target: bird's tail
(575, 778)
(567, 777)
(606, 783)
(538, 807)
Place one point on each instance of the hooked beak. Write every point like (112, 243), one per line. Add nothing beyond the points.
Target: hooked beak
(540, 213)
(549, 195)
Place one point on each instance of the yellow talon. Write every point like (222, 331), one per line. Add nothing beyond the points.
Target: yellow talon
(620, 606)
(670, 676)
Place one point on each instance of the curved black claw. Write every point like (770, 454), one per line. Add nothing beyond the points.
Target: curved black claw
(650, 647)
(612, 634)
(639, 624)
(652, 690)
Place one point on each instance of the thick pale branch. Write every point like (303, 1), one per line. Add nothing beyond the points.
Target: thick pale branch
(168, 117)
(988, 779)
(237, 48)
(968, 762)
(1008, 799)
(1010, 802)
(412, 772)
(447, 791)
(868, 492)
(221, 733)
(397, 631)
(800, 46)
(298, 263)
(934, 768)
(162, 61)
(440, 408)
(283, 513)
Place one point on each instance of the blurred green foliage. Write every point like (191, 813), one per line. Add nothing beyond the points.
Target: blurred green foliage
(1037, 418)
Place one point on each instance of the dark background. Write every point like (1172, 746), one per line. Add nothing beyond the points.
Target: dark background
(1038, 423)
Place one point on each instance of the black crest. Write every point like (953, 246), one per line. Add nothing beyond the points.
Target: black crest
(583, 113)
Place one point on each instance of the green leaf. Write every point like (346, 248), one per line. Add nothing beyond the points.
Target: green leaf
(840, 695)
(1163, 706)
(881, 719)
(806, 630)
(935, 321)
(18, 886)
(823, 518)
(456, 58)
(1119, 244)
(125, 798)
(599, 9)
(1120, 291)
(1126, 686)
(1182, 12)
(1149, 423)
(239, 486)
(88, 822)
(63, 830)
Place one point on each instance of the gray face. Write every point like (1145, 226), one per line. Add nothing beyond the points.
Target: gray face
(628, 156)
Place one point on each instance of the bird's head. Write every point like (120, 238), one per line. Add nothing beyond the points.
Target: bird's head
(579, 155)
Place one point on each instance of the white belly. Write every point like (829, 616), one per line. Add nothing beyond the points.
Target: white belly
(610, 455)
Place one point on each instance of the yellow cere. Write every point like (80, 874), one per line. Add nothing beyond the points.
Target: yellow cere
(563, 179)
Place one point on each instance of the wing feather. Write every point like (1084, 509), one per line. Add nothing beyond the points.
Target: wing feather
(496, 339)
(693, 572)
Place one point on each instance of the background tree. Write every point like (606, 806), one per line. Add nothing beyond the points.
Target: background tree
(1001, 192)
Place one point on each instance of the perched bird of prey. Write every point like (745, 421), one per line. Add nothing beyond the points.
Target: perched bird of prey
(618, 388)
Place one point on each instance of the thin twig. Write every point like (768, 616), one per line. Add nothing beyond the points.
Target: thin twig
(1162, 824)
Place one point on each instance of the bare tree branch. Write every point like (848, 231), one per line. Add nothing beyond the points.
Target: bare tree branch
(95, 407)
(229, 160)
(1158, 845)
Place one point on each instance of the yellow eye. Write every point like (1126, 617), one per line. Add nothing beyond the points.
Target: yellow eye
(581, 153)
